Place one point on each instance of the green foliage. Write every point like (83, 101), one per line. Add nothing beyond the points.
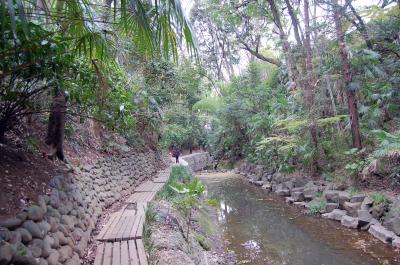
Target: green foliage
(356, 161)
(179, 174)
(317, 208)
(387, 143)
(150, 219)
(203, 241)
(379, 198)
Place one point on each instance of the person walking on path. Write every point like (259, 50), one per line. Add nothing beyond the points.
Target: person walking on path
(176, 152)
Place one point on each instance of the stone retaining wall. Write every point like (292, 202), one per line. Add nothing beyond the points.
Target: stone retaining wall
(57, 230)
(333, 201)
(197, 161)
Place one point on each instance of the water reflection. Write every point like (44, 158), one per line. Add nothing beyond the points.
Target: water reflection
(262, 229)
(223, 211)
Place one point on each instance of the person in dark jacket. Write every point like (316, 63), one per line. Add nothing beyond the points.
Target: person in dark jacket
(176, 152)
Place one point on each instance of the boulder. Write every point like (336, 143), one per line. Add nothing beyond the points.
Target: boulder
(364, 217)
(65, 253)
(331, 195)
(357, 198)
(383, 166)
(381, 233)
(36, 247)
(68, 221)
(300, 204)
(367, 203)
(310, 191)
(297, 196)
(344, 196)
(42, 262)
(298, 189)
(259, 183)
(289, 200)
(349, 222)
(352, 207)
(23, 255)
(299, 182)
(34, 229)
(267, 186)
(10, 223)
(379, 210)
(396, 242)
(336, 186)
(36, 213)
(393, 224)
(288, 185)
(4, 234)
(392, 218)
(53, 258)
(335, 215)
(330, 206)
(6, 253)
(26, 236)
(15, 237)
(283, 192)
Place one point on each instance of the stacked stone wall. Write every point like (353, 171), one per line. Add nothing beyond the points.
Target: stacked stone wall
(332, 200)
(58, 228)
(197, 161)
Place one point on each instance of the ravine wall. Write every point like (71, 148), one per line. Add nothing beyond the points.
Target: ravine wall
(58, 229)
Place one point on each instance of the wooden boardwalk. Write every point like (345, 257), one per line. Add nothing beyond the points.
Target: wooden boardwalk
(149, 186)
(121, 237)
(130, 252)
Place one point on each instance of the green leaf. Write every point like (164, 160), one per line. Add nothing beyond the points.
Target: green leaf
(22, 15)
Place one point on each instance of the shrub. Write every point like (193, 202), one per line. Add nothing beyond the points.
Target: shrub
(317, 208)
(379, 198)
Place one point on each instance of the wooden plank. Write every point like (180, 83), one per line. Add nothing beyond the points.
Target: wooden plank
(117, 233)
(133, 256)
(126, 235)
(106, 227)
(143, 196)
(98, 260)
(141, 252)
(132, 233)
(160, 179)
(116, 256)
(107, 254)
(110, 230)
(124, 253)
(139, 231)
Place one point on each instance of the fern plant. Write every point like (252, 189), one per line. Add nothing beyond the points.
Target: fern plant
(388, 144)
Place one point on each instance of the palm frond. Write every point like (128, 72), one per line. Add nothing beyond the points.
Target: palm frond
(154, 27)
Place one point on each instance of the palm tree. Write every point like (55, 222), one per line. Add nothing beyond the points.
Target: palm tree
(92, 28)
(154, 27)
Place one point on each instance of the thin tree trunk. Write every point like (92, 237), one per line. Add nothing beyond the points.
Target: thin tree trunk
(285, 44)
(346, 70)
(309, 89)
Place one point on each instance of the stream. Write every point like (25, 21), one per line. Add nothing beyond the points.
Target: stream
(262, 229)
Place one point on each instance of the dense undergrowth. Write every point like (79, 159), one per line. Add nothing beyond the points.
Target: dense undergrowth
(264, 116)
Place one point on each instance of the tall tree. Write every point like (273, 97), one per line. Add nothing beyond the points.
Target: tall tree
(347, 75)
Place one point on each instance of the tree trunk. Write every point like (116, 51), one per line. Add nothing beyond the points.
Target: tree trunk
(346, 71)
(56, 124)
(309, 89)
(285, 45)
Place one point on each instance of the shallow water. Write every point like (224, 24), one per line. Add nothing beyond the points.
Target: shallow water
(262, 229)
